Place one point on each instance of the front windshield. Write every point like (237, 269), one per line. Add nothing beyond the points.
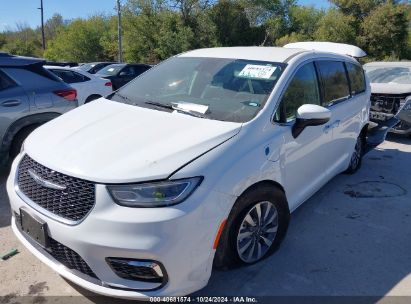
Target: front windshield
(111, 69)
(400, 75)
(229, 89)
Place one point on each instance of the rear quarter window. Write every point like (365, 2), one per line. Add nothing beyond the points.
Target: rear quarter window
(6, 82)
(334, 82)
(357, 78)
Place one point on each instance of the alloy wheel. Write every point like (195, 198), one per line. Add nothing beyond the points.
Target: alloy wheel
(356, 156)
(257, 232)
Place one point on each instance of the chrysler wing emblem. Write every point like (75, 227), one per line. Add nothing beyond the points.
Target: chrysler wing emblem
(43, 182)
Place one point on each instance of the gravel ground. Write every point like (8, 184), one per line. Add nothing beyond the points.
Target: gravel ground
(352, 238)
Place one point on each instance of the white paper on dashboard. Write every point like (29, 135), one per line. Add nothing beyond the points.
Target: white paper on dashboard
(257, 71)
(199, 108)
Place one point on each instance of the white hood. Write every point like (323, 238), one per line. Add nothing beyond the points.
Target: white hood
(390, 88)
(111, 142)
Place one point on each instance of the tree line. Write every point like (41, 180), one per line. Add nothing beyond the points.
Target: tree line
(154, 30)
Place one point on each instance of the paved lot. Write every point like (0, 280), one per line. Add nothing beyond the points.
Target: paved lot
(352, 238)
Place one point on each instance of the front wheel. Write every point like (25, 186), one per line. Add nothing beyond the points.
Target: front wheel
(255, 227)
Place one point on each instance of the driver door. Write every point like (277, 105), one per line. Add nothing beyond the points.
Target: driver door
(305, 160)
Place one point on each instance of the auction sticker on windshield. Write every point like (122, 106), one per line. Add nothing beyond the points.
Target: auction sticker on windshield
(257, 71)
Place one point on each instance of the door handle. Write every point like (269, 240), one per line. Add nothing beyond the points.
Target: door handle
(11, 103)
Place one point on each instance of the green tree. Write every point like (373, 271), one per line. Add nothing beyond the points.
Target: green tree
(385, 31)
(80, 41)
(357, 8)
(334, 26)
(304, 21)
(232, 25)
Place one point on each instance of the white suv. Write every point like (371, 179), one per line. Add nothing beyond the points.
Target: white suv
(199, 161)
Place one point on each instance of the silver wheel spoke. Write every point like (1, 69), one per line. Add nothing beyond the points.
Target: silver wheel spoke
(244, 235)
(250, 254)
(267, 212)
(258, 210)
(266, 241)
(271, 219)
(245, 247)
(250, 220)
(271, 230)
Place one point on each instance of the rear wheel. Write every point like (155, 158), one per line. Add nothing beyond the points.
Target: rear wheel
(255, 227)
(19, 139)
(356, 157)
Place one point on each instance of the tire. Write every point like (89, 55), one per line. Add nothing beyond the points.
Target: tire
(356, 157)
(19, 139)
(91, 98)
(232, 250)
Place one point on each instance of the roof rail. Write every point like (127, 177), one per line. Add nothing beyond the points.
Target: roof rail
(332, 47)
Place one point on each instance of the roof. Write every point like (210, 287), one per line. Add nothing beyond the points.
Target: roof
(389, 64)
(330, 47)
(273, 54)
(7, 60)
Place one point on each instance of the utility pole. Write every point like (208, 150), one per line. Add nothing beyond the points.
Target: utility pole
(42, 24)
(120, 45)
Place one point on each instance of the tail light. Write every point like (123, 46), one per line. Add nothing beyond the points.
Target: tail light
(69, 95)
(108, 84)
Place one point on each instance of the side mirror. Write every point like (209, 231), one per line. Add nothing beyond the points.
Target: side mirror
(310, 115)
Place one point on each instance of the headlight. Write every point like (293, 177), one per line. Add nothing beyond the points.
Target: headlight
(155, 194)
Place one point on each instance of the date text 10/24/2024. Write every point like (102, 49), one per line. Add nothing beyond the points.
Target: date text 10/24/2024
(203, 299)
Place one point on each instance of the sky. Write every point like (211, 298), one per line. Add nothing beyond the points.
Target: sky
(25, 11)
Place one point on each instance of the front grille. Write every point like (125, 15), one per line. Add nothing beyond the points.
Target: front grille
(387, 103)
(69, 258)
(73, 203)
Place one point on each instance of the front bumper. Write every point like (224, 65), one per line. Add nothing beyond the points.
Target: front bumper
(179, 237)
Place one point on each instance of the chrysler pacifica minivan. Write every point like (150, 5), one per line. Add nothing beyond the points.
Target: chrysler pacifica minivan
(196, 163)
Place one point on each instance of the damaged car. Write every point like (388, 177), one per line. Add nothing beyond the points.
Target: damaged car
(390, 89)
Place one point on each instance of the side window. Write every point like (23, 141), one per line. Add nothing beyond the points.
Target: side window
(303, 89)
(5, 81)
(357, 80)
(334, 81)
(140, 69)
(128, 71)
(70, 76)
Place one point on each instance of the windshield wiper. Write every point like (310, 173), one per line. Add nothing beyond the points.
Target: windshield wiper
(174, 107)
(159, 104)
(123, 97)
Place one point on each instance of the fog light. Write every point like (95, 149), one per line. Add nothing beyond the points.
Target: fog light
(138, 270)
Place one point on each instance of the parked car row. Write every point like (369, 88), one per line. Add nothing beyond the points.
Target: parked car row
(32, 93)
(30, 96)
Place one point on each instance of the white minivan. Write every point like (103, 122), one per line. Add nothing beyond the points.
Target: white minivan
(196, 163)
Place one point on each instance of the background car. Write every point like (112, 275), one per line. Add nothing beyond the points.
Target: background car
(93, 67)
(29, 96)
(122, 73)
(89, 87)
(390, 87)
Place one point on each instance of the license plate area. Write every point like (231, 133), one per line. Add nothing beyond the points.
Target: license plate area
(35, 229)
